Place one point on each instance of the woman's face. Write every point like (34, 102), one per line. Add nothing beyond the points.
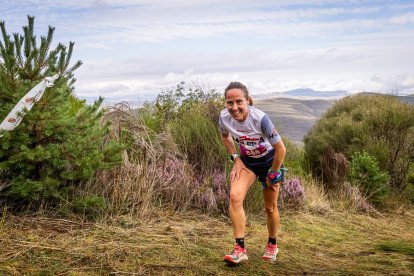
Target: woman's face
(237, 104)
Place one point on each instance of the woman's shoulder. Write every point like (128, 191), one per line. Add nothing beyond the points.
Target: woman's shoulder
(224, 113)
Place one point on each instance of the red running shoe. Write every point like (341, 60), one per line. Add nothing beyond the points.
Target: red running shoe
(270, 252)
(238, 255)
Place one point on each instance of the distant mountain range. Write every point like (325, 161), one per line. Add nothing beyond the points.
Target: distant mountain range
(299, 93)
(309, 93)
(305, 93)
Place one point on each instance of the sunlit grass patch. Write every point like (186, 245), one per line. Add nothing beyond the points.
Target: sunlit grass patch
(401, 247)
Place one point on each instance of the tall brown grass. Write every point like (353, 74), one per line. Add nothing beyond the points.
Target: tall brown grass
(130, 187)
(154, 173)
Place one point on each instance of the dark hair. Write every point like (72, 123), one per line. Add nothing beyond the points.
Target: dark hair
(242, 87)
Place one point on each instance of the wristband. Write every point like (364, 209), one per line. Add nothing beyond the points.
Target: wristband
(276, 176)
(273, 175)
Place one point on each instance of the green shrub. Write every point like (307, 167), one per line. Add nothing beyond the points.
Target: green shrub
(294, 158)
(89, 206)
(198, 138)
(171, 104)
(409, 192)
(380, 125)
(409, 189)
(191, 116)
(365, 173)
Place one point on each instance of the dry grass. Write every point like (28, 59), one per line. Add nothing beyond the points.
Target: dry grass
(130, 187)
(316, 200)
(344, 197)
(194, 244)
(335, 167)
(145, 178)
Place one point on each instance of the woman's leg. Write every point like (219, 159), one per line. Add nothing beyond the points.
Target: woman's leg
(238, 191)
(270, 195)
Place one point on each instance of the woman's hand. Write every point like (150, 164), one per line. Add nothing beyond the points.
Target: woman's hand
(237, 168)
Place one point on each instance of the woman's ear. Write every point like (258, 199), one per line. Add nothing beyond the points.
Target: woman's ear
(250, 100)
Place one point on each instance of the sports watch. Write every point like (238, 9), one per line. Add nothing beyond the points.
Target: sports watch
(233, 157)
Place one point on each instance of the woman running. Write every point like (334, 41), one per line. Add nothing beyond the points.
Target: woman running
(261, 157)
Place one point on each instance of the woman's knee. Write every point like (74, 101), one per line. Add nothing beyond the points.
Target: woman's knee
(236, 198)
(271, 209)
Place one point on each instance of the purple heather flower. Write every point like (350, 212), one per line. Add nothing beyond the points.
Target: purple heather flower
(292, 192)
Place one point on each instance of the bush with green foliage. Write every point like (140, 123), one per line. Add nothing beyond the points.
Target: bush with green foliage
(366, 175)
(409, 189)
(173, 103)
(198, 139)
(59, 143)
(294, 159)
(90, 206)
(191, 116)
(380, 125)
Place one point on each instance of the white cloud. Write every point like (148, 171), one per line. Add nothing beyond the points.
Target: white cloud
(403, 19)
(140, 47)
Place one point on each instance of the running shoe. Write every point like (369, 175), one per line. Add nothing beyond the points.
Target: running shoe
(270, 252)
(238, 255)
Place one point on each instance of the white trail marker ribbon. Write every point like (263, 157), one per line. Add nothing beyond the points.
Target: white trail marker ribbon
(15, 116)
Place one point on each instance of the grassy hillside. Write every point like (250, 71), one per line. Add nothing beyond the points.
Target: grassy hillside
(194, 244)
(293, 117)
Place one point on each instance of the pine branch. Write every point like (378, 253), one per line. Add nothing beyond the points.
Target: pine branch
(18, 40)
(74, 67)
(69, 55)
(42, 60)
(27, 45)
(61, 62)
(6, 38)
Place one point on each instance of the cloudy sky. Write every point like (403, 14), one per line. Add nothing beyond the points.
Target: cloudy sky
(134, 49)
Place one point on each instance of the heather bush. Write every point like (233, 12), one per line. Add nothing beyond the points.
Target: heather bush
(155, 172)
(380, 125)
(212, 192)
(292, 194)
(177, 187)
(366, 175)
(192, 123)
